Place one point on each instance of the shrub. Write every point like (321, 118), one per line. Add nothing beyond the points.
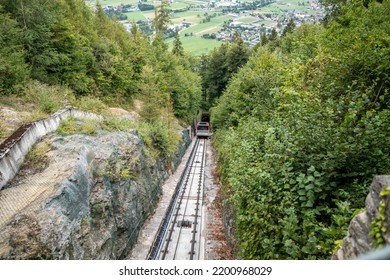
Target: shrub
(73, 126)
(48, 99)
(161, 139)
(90, 104)
(117, 124)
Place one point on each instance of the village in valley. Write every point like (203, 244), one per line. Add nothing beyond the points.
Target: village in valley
(204, 24)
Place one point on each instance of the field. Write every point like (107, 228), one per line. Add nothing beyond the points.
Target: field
(196, 45)
(136, 16)
(195, 15)
(208, 27)
(113, 2)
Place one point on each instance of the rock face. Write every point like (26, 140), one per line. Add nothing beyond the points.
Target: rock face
(357, 242)
(92, 205)
(15, 148)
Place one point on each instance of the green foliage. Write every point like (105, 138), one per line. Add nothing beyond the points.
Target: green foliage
(65, 45)
(379, 223)
(37, 158)
(250, 92)
(48, 99)
(90, 104)
(117, 124)
(161, 138)
(118, 170)
(219, 66)
(186, 93)
(301, 129)
(289, 27)
(73, 126)
(161, 17)
(13, 69)
(177, 48)
(68, 126)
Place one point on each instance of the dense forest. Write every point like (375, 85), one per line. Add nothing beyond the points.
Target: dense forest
(302, 128)
(301, 121)
(57, 53)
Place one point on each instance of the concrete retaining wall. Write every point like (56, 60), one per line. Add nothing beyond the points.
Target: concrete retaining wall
(15, 148)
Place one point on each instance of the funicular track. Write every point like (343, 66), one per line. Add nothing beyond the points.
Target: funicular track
(179, 234)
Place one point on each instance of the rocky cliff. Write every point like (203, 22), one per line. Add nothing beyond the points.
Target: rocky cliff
(88, 202)
(14, 149)
(358, 241)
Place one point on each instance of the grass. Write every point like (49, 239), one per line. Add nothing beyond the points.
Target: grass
(113, 2)
(3, 134)
(136, 16)
(178, 5)
(73, 126)
(214, 24)
(187, 15)
(193, 19)
(90, 104)
(90, 126)
(197, 45)
(117, 124)
(37, 157)
(149, 15)
(247, 19)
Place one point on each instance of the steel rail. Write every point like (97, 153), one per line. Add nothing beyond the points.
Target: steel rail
(187, 198)
(200, 193)
(158, 239)
(178, 203)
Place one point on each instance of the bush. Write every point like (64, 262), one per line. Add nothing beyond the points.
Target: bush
(297, 144)
(90, 104)
(161, 139)
(117, 124)
(48, 99)
(74, 126)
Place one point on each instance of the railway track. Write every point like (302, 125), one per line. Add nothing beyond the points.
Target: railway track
(179, 234)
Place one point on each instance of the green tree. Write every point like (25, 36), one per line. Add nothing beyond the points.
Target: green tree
(177, 45)
(161, 17)
(214, 74)
(273, 39)
(37, 19)
(237, 54)
(289, 27)
(13, 69)
(263, 39)
(301, 129)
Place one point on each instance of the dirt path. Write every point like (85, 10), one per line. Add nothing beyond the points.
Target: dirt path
(217, 247)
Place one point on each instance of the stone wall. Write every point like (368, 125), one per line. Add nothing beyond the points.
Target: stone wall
(357, 242)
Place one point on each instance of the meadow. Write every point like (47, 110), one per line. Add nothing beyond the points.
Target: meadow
(196, 44)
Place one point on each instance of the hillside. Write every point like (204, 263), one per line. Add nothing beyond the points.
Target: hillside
(302, 129)
(300, 118)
